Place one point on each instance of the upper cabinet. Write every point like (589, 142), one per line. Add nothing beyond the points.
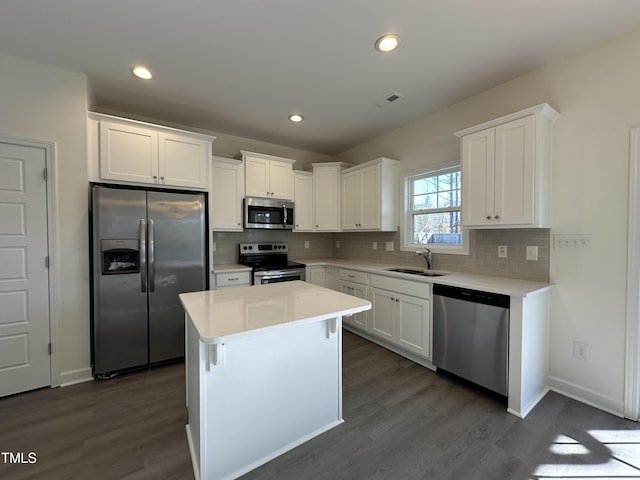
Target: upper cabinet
(506, 170)
(225, 195)
(303, 199)
(129, 152)
(370, 196)
(326, 195)
(268, 176)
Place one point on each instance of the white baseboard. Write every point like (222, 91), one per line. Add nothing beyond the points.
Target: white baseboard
(586, 395)
(72, 377)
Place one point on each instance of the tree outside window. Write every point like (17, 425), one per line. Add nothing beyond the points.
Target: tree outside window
(434, 208)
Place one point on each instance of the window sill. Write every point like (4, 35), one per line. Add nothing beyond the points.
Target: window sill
(436, 248)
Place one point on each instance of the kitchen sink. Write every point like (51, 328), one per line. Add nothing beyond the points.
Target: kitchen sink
(415, 271)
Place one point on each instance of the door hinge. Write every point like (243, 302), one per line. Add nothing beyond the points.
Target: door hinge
(45, 175)
(50, 349)
(46, 261)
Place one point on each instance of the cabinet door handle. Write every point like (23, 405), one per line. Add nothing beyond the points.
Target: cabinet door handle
(488, 217)
(234, 279)
(497, 217)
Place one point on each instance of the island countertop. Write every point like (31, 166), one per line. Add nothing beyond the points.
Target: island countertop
(221, 316)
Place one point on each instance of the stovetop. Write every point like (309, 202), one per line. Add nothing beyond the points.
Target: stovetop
(266, 256)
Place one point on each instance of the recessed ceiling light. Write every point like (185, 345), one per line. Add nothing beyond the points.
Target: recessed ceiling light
(295, 117)
(387, 43)
(141, 72)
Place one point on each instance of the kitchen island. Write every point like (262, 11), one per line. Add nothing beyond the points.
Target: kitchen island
(264, 372)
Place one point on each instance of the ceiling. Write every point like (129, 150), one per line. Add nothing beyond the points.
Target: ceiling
(242, 66)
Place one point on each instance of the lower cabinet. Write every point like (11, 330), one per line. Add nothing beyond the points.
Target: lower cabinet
(400, 313)
(326, 277)
(358, 320)
(354, 283)
(232, 279)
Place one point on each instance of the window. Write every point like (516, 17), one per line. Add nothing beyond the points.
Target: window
(432, 211)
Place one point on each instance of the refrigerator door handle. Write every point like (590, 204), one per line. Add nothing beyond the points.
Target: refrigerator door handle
(152, 259)
(143, 256)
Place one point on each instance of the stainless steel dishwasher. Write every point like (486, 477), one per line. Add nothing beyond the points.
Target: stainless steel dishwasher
(471, 335)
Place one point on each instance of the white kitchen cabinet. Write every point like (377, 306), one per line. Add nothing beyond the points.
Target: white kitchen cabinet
(326, 195)
(323, 276)
(232, 279)
(303, 199)
(129, 152)
(370, 193)
(225, 195)
(268, 176)
(400, 318)
(506, 170)
(354, 283)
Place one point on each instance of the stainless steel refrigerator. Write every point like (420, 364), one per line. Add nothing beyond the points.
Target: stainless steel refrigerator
(147, 247)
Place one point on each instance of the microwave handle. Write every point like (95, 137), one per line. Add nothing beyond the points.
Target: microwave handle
(284, 208)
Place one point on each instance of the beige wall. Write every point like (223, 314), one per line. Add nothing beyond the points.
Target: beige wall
(598, 98)
(49, 105)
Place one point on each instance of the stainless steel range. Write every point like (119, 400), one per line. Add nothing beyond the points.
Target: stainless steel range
(270, 263)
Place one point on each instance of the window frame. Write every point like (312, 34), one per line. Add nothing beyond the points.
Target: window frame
(406, 224)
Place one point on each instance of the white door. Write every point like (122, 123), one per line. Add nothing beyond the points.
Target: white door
(25, 363)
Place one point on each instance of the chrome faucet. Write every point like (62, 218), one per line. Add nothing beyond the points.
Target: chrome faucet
(427, 256)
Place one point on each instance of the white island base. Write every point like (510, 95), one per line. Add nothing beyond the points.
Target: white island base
(264, 372)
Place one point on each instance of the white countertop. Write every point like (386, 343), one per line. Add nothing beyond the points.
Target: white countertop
(230, 268)
(224, 315)
(486, 283)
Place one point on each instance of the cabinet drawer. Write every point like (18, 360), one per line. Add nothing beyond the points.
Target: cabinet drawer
(415, 289)
(231, 279)
(353, 276)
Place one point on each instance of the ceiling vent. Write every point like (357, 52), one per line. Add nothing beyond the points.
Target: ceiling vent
(394, 97)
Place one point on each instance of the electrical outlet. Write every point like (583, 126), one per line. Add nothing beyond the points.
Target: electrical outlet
(374, 246)
(306, 244)
(580, 350)
(532, 253)
(389, 246)
(337, 243)
(502, 251)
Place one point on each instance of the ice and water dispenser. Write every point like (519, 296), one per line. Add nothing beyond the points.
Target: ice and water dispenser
(120, 256)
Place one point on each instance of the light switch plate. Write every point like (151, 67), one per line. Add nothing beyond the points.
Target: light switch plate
(532, 253)
(579, 242)
(374, 246)
(306, 244)
(389, 246)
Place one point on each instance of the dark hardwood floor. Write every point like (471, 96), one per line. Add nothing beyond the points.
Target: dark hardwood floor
(402, 421)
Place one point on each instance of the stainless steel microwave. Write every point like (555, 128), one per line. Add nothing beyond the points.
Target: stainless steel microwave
(268, 213)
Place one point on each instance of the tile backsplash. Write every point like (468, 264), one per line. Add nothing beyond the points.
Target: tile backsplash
(482, 259)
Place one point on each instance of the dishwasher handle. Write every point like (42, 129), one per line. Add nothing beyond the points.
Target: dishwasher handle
(474, 296)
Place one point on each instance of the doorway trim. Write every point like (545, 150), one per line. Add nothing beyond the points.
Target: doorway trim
(632, 372)
(54, 252)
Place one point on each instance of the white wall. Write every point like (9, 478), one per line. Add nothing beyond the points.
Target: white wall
(47, 104)
(598, 98)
